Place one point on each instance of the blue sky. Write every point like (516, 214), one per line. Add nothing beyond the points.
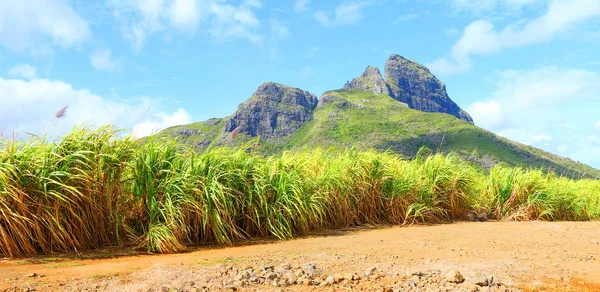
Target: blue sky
(526, 69)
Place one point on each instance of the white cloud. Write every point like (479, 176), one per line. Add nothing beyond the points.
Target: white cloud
(184, 14)
(216, 18)
(180, 117)
(23, 71)
(547, 107)
(29, 24)
(540, 139)
(482, 38)
(487, 114)
(301, 5)
(405, 17)
(345, 13)
(597, 125)
(30, 106)
(279, 29)
(594, 139)
(102, 60)
(452, 32)
(312, 52)
(478, 7)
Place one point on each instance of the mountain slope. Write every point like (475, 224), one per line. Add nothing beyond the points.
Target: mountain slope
(357, 118)
(403, 112)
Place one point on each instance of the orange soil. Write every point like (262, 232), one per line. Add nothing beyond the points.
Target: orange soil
(547, 256)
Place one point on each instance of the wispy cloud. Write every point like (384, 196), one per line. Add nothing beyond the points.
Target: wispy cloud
(34, 103)
(102, 60)
(301, 5)
(31, 24)
(482, 38)
(405, 17)
(547, 100)
(312, 52)
(23, 71)
(218, 19)
(344, 14)
(279, 30)
(480, 7)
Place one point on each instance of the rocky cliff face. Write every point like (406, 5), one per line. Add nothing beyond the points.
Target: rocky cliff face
(413, 84)
(273, 111)
(371, 81)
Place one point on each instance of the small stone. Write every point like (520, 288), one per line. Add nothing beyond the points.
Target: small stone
(485, 282)
(330, 280)
(271, 276)
(470, 286)
(243, 275)
(348, 276)
(32, 275)
(412, 283)
(370, 271)
(454, 277)
(268, 268)
(292, 279)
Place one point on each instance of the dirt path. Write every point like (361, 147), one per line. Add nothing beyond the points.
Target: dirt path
(530, 255)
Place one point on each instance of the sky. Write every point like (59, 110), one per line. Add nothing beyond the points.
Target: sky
(528, 70)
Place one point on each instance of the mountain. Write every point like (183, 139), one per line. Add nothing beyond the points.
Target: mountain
(402, 112)
(410, 83)
(273, 111)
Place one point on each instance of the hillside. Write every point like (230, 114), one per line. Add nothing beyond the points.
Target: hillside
(401, 112)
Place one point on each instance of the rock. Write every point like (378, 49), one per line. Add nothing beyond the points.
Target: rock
(328, 281)
(32, 275)
(470, 286)
(412, 83)
(481, 217)
(243, 275)
(370, 81)
(271, 276)
(268, 268)
(470, 216)
(370, 271)
(273, 111)
(454, 277)
(348, 276)
(291, 280)
(485, 281)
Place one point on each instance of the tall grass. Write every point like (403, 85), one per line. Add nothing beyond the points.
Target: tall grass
(93, 189)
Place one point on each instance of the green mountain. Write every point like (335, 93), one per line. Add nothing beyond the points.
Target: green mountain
(404, 111)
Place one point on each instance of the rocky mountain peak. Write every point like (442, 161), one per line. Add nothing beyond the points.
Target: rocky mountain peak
(371, 81)
(413, 84)
(273, 111)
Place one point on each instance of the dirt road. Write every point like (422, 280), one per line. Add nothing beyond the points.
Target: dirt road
(556, 256)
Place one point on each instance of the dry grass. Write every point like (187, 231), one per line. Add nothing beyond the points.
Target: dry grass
(93, 189)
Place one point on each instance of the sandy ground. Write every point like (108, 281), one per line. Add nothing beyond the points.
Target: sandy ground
(533, 256)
